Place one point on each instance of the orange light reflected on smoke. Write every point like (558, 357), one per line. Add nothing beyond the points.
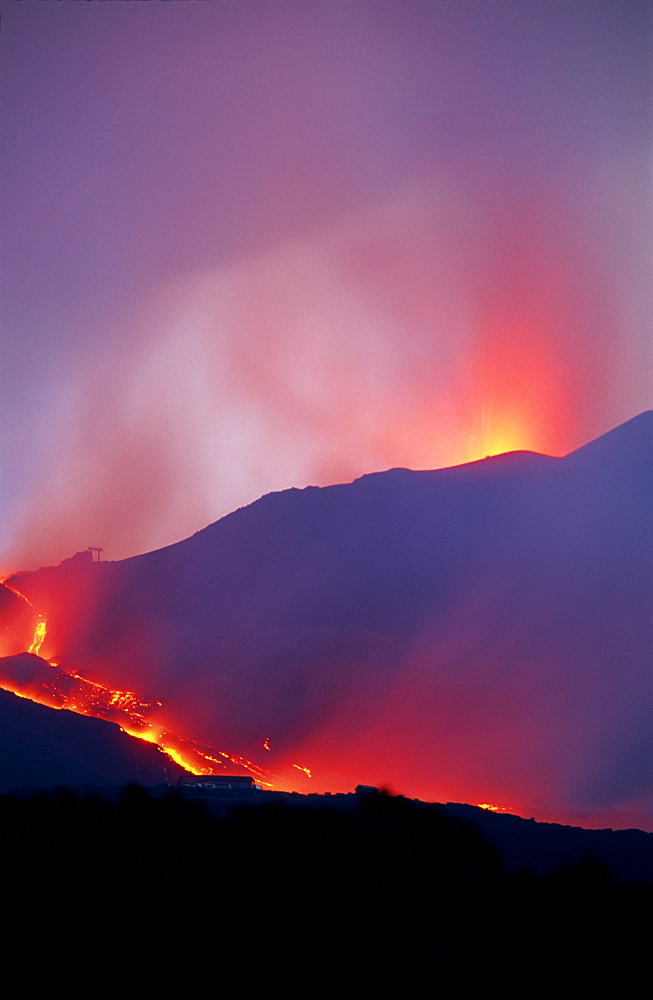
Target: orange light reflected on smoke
(374, 358)
(497, 435)
(519, 394)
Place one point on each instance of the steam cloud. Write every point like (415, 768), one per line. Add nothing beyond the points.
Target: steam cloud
(408, 335)
(418, 237)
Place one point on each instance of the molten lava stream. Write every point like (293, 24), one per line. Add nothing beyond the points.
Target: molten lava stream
(40, 633)
(61, 689)
(56, 687)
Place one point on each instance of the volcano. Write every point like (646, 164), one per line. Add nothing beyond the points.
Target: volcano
(479, 633)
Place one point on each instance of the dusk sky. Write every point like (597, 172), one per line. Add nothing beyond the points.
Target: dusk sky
(255, 245)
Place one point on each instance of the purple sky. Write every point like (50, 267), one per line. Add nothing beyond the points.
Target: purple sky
(252, 245)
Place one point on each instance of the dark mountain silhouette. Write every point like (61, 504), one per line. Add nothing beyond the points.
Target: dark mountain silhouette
(374, 889)
(541, 848)
(479, 633)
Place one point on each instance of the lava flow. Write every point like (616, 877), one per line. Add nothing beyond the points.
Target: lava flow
(47, 683)
(40, 633)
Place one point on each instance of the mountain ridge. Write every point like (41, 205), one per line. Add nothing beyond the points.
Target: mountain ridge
(410, 628)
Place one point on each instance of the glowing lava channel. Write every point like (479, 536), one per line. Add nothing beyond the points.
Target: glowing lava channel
(40, 633)
(70, 691)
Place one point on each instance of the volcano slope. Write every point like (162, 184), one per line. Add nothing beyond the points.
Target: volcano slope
(44, 748)
(480, 633)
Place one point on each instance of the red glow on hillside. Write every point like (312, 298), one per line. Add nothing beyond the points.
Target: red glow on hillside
(48, 683)
(335, 757)
(339, 769)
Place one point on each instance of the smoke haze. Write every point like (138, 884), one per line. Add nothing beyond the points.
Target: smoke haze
(252, 246)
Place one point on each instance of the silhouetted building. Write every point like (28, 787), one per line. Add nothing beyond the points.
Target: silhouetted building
(226, 785)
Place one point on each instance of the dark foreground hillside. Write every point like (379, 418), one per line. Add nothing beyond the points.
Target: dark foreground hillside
(155, 892)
